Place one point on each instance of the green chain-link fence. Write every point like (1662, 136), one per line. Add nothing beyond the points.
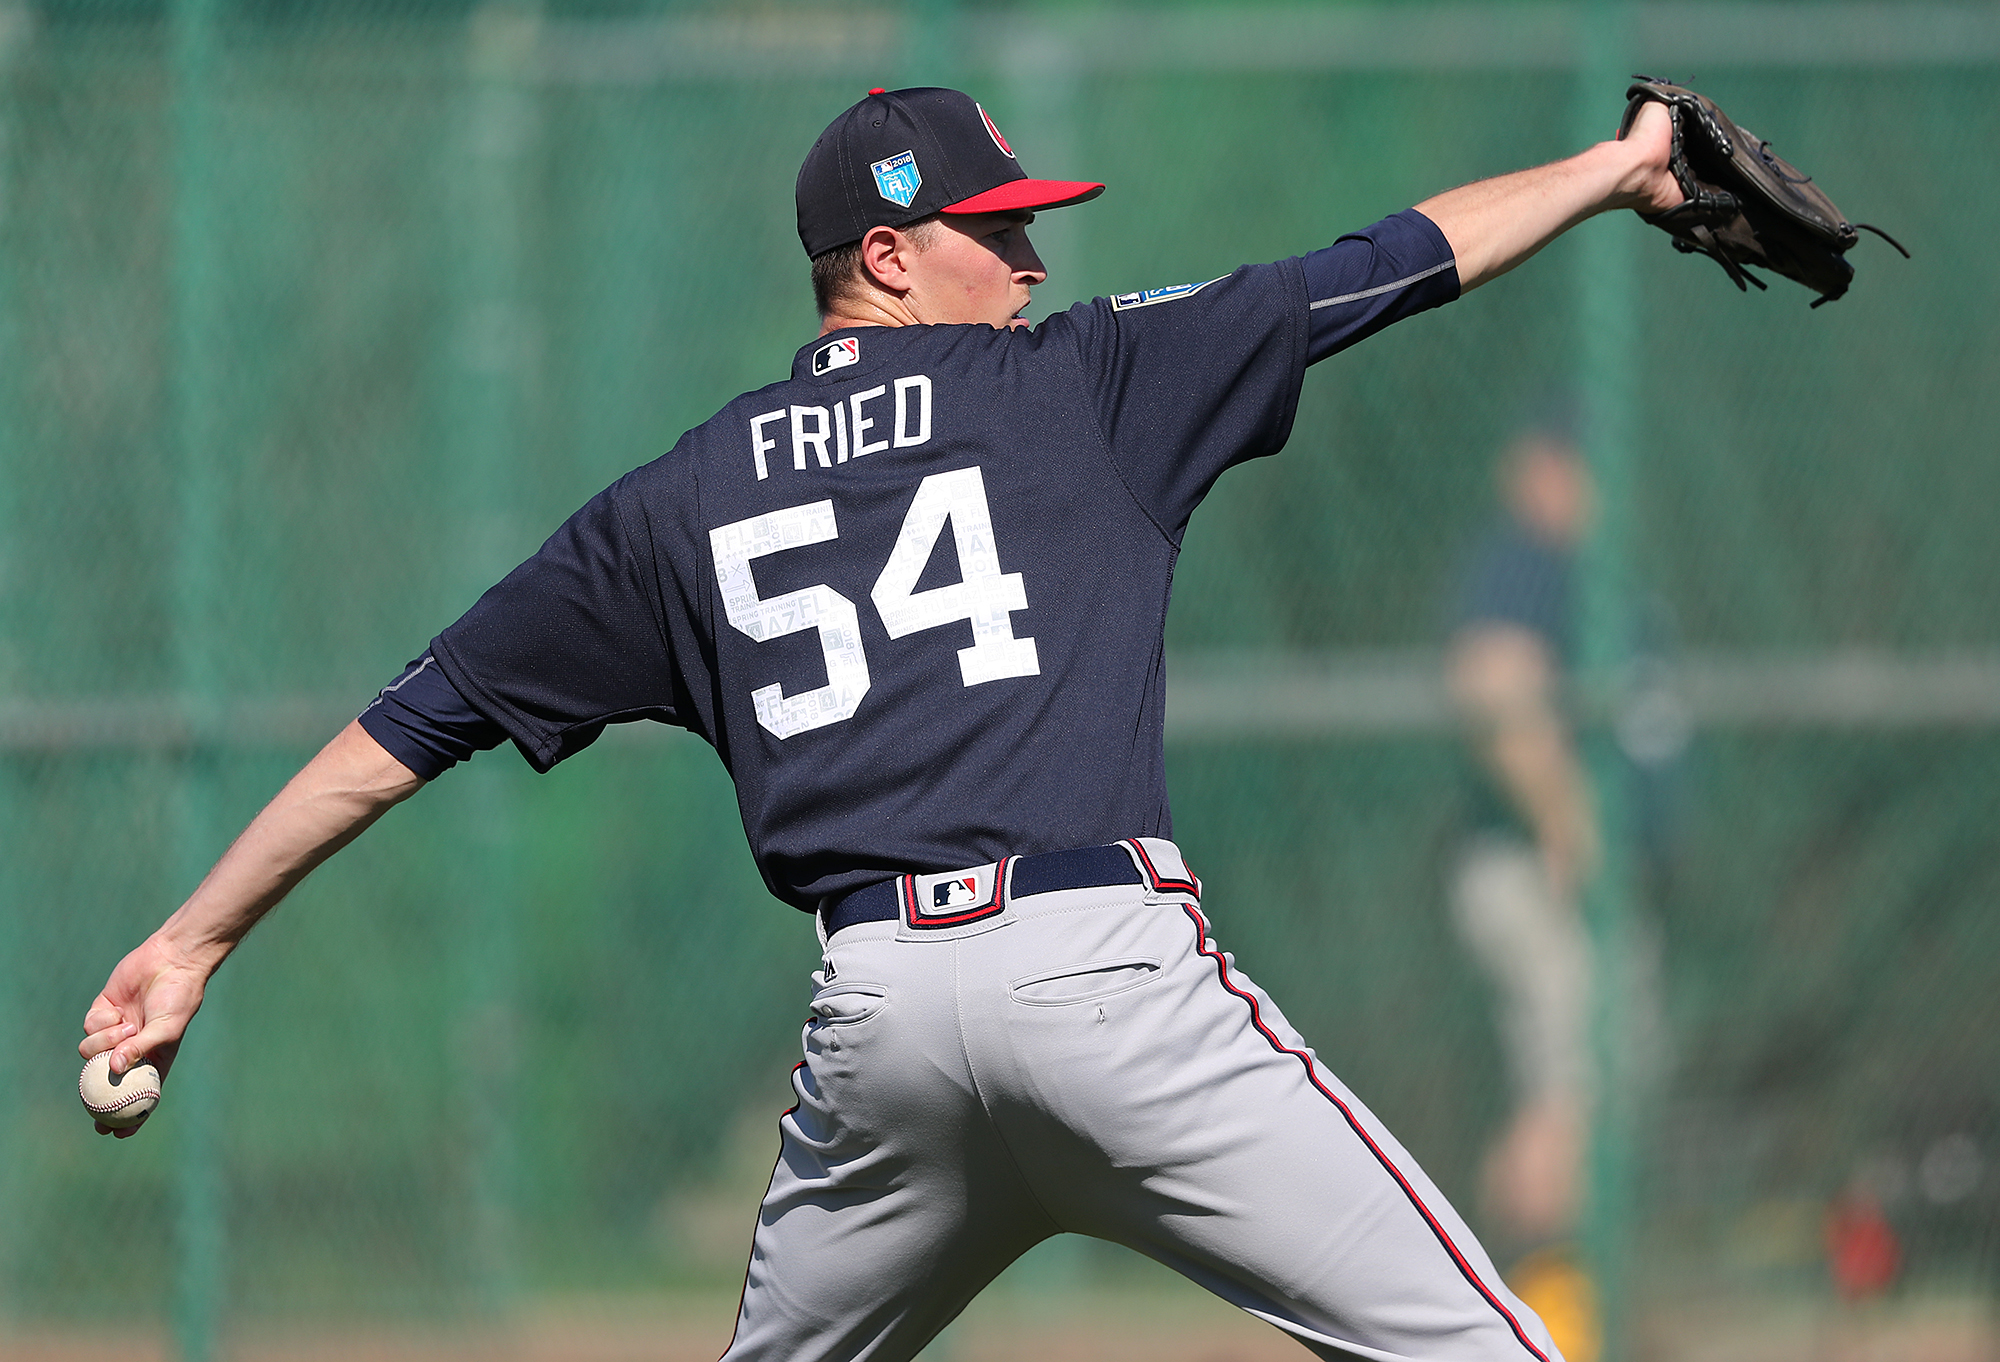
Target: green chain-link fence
(318, 317)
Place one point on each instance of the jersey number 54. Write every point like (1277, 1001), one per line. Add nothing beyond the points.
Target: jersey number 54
(983, 595)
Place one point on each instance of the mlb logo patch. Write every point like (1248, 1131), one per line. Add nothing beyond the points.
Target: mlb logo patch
(940, 902)
(898, 178)
(837, 355)
(955, 893)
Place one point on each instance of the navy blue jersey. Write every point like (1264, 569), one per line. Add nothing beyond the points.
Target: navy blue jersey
(1515, 578)
(915, 594)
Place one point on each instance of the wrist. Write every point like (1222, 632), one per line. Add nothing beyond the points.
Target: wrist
(184, 945)
(1642, 162)
(1622, 168)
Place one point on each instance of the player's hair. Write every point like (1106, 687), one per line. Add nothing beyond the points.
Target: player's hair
(836, 274)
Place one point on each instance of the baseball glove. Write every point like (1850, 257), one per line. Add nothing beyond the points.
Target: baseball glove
(1746, 206)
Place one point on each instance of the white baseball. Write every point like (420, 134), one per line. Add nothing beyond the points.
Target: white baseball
(119, 1100)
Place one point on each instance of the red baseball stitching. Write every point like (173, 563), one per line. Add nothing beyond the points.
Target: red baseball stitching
(120, 1104)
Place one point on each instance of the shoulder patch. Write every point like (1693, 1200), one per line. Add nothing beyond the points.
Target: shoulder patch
(1125, 302)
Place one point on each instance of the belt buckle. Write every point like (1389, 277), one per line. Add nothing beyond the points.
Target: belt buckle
(956, 904)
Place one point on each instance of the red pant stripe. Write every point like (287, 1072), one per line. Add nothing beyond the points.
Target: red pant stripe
(1443, 1237)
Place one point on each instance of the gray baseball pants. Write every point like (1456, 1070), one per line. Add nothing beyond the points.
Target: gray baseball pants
(1089, 1061)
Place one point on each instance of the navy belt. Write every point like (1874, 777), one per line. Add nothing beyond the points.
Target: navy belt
(1080, 868)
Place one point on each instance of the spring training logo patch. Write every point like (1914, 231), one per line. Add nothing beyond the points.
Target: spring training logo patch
(1125, 302)
(836, 355)
(898, 178)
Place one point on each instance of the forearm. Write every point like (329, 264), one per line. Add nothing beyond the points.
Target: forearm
(1493, 225)
(329, 803)
(1535, 764)
(1504, 681)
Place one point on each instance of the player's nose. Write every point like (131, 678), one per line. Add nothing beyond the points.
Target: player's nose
(1028, 266)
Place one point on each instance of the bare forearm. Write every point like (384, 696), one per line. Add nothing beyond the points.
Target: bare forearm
(1493, 225)
(329, 803)
(1504, 680)
(156, 990)
(1535, 763)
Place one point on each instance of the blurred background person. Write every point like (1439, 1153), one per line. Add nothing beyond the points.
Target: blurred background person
(1531, 840)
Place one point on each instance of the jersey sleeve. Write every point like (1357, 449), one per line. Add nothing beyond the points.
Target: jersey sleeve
(421, 720)
(1191, 379)
(1369, 279)
(571, 640)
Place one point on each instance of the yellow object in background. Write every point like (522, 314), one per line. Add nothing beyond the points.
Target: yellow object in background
(1550, 1283)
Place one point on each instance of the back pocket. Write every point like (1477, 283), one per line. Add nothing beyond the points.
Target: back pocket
(841, 1004)
(1085, 983)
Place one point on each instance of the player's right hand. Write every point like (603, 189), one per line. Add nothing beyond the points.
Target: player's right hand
(144, 1010)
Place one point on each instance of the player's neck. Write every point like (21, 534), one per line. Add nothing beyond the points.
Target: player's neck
(884, 308)
(876, 309)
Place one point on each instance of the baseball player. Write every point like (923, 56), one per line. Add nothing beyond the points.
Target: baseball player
(1529, 843)
(914, 594)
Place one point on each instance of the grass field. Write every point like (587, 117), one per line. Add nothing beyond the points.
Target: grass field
(1146, 1323)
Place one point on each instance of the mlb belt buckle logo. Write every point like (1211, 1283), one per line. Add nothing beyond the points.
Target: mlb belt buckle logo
(955, 893)
(963, 897)
(898, 178)
(836, 355)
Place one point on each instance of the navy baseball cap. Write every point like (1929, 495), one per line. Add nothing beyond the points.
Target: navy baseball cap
(900, 155)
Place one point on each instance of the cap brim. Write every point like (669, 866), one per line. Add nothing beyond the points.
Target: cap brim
(1027, 196)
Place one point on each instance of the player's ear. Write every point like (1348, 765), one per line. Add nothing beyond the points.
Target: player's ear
(885, 258)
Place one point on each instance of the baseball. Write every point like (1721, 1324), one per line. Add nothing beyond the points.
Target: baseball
(119, 1100)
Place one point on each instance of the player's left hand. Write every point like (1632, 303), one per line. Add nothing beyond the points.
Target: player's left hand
(1649, 186)
(144, 1011)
